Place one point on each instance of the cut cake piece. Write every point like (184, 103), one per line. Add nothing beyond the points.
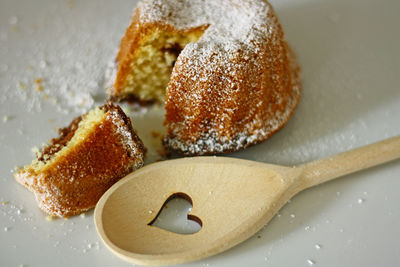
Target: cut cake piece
(71, 173)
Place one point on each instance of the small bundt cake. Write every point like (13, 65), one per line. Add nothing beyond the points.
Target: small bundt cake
(72, 172)
(223, 69)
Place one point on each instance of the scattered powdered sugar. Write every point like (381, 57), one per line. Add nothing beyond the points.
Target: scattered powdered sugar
(310, 262)
(68, 57)
(62, 89)
(111, 73)
(13, 20)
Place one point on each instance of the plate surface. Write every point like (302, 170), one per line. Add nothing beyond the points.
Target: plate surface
(348, 51)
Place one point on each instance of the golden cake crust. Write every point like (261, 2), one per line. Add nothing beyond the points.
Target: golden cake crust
(235, 86)
(70, 183)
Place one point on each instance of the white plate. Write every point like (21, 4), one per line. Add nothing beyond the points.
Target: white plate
(350, 62)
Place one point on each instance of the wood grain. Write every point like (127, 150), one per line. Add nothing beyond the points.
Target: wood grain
(233, 198)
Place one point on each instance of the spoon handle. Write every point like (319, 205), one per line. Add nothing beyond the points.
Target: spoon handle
(326, 169)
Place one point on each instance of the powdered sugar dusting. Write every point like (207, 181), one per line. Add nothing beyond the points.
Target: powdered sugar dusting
(232, 22)
(111, 73)
(242, 54)
(212, 142)
(122, 129)
(128, 140)
(65, 47)
(229, 20)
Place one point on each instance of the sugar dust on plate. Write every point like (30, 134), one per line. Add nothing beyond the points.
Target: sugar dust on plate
(310, 262)
(3, 68)
(13, 20)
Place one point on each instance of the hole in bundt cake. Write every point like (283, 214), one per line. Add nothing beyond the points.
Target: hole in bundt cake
(150, 72)
(172, 52)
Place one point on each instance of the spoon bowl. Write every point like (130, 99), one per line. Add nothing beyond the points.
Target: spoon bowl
(244, 188)
(232, 199)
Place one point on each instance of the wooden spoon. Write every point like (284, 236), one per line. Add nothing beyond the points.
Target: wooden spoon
(232, 199)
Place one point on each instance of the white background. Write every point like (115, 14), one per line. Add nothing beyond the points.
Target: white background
(349, 54)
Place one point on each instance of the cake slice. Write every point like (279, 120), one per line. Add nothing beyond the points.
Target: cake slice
(73, 171)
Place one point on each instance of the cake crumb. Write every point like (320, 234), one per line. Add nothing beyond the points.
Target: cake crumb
(39, 88)
(21, 85)
(38, 80)
(163, 153)
(15, 28)
(43, 64)
(38, 83)
(50, 218)
(155, 143)
(155, 134)
(35, 150)
(71, 4)
(5, 118)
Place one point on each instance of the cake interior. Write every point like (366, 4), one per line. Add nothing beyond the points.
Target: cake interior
(154, 61)
(69, 138)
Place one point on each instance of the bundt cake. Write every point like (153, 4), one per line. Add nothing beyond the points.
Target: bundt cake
(72, 172)
(223, 69)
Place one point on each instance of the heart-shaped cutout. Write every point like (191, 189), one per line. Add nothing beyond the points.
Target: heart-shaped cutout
(174, 215)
